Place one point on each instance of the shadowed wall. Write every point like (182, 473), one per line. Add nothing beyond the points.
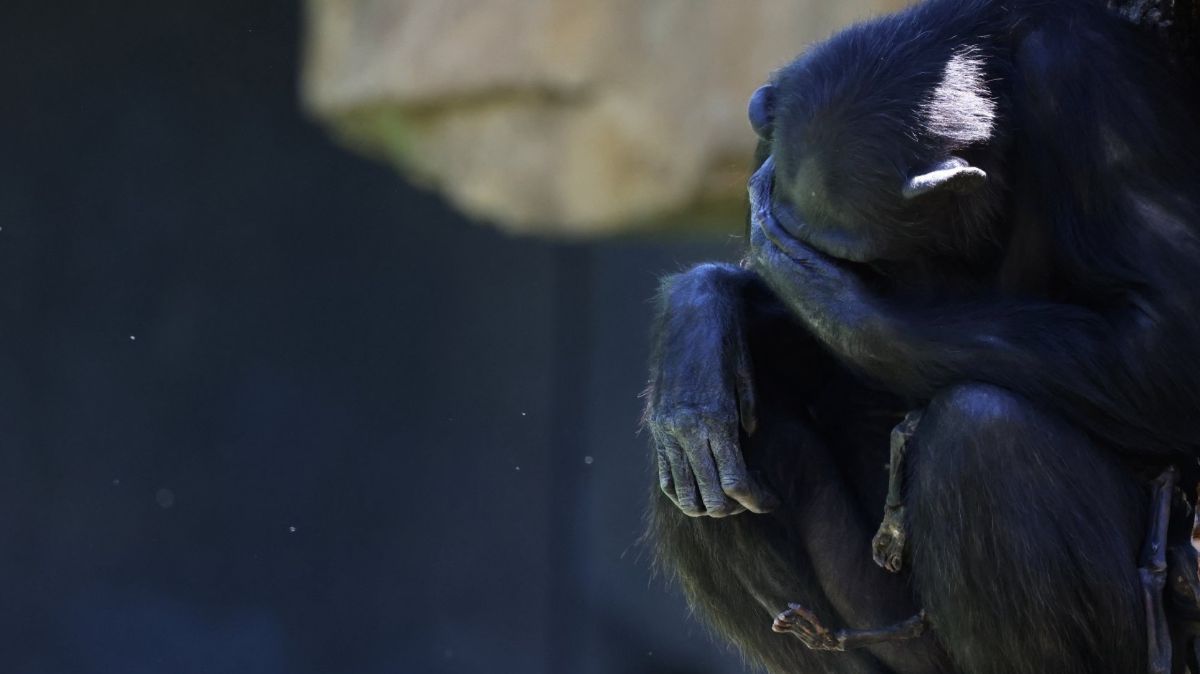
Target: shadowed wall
(266, 409)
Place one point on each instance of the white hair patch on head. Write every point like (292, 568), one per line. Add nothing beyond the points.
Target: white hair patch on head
(961, 108)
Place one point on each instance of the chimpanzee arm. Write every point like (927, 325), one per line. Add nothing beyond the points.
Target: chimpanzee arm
(713, 320)
(1127, 377)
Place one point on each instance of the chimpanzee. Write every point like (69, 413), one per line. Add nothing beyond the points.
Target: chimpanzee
(987, 211)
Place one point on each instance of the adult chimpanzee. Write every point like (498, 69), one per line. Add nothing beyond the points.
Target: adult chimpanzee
(988, 211)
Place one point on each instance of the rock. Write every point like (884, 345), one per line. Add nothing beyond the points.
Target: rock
(574, 117)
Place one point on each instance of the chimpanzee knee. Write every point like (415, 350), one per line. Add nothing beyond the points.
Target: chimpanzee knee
(1025, 536)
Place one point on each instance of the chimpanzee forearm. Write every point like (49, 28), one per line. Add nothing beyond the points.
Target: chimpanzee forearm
(1109, 372)
(1100, 371)
(711, 319)
(703, 384)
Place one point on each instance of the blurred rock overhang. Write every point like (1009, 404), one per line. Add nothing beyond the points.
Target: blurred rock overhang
(573, 118)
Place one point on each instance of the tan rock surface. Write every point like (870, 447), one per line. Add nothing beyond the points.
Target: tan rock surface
(559, 116)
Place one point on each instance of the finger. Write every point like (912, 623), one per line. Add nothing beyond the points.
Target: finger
(687, 497)
(757, 240)
(783, 241)
(663, 448)
(665, 481)
(736, 481)
(708, 479)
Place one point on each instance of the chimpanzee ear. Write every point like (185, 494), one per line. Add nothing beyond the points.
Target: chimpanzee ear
(761, 110)
(953, 175)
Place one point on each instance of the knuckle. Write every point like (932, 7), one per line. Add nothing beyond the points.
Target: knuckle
(697, 416)
(683, 419)
(721, 416)
(737, 488)
(659, 423)
(717, 412)
(728, 453)
(664, 443)
(718, 510)
(665, 423)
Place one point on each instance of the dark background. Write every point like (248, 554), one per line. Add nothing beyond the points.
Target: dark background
(264, 408)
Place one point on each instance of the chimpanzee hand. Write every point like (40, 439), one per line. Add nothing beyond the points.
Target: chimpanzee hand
(700, 392)
(830, 299)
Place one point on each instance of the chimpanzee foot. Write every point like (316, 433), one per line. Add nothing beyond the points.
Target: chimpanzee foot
(888, 545)
(887, 548)
(1183, 573)
(804, 625)
(1183, 562)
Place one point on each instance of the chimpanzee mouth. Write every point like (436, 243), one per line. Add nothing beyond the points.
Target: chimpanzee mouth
(790, 233)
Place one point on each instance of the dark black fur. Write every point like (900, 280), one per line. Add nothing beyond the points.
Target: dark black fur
(1049, 321)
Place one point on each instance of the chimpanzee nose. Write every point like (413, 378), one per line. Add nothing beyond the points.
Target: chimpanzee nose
(762, 110)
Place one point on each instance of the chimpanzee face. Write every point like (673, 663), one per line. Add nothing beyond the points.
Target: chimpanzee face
(867, 174)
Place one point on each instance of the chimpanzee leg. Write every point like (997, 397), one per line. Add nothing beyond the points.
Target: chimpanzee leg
(1153, 571)
(888, 546)
(740, 571)
(1025, 537)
